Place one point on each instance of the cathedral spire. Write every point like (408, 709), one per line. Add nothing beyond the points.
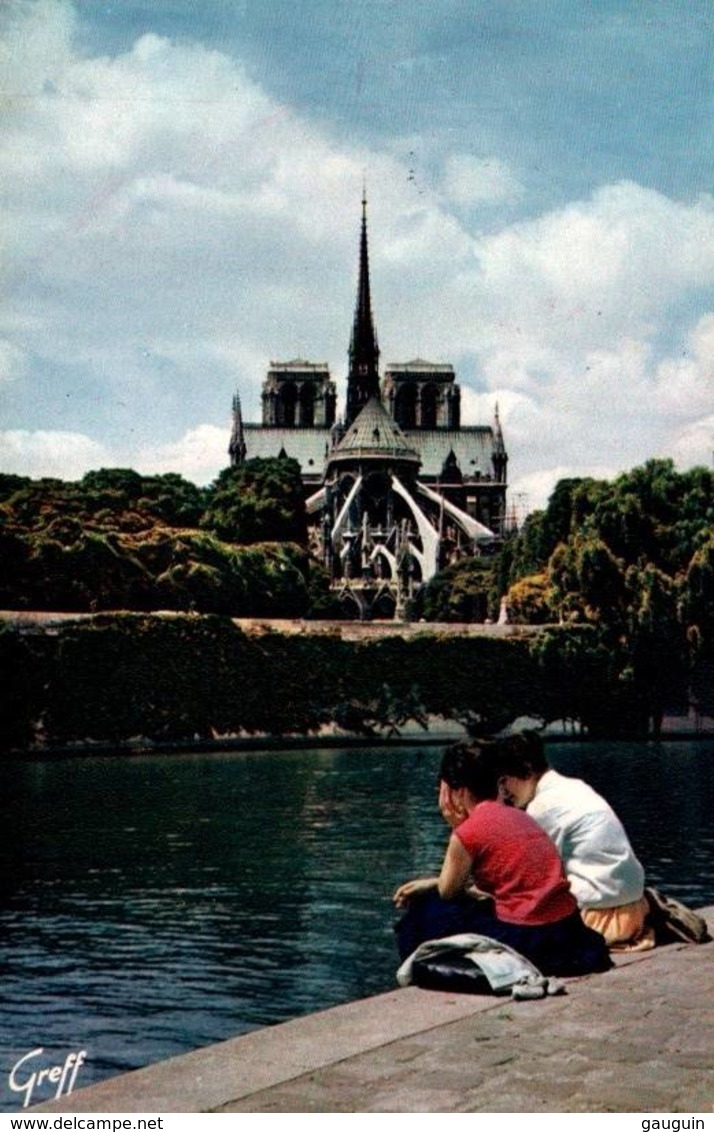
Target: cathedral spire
(363, 377)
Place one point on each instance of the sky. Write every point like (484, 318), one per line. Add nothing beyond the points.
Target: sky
(181, 186)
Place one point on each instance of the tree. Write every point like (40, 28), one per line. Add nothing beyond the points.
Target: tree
(9, 484)
(528, 552)
(258, 501)
(558, 517)
(168, 498)
(655, 643)
(119, 540)
(528, 600)
(697, 596)
(587, 582)
(463, 591)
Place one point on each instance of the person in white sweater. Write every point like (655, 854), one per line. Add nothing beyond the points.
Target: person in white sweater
(605, 876)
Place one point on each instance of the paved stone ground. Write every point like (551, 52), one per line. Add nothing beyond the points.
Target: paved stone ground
(639, 1038)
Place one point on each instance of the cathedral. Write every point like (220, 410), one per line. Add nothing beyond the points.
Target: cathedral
(396, 488)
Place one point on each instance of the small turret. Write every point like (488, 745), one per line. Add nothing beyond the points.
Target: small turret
(500, 457)
(236, 446)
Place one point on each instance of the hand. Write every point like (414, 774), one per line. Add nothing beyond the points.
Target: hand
(412, 888)
(504, 795)
(476, 893)
(452, 810)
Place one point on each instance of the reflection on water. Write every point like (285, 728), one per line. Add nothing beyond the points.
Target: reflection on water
(152, 905)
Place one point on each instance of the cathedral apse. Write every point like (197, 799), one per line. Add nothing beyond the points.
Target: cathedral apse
(397, 487)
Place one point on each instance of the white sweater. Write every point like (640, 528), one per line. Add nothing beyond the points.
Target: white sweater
(599, 861)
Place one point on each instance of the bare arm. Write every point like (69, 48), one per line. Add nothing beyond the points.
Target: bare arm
(455, 871)
(411, 888)
(453, 879)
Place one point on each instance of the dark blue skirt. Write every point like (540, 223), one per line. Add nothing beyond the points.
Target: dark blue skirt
(566, 947)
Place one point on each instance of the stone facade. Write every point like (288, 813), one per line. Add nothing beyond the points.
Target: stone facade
(298, 394)
(396, 489)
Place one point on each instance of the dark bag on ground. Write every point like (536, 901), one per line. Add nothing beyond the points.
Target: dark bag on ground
(450, 973)
(673, 922)
(472, 963)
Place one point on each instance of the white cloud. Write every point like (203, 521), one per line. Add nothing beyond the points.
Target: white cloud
(693, 445)
(199, 455)
(35, 43)
(478, 180)
(172, 228)
(64, 455)
(598, 270)
(685, 385)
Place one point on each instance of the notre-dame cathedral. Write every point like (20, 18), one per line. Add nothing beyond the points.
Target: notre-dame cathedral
(395, 489)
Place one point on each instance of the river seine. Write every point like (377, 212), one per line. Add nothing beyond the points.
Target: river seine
(151, 905)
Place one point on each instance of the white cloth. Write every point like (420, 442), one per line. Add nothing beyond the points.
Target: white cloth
(599, 861)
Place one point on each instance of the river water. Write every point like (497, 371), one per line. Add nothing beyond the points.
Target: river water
(151, 905)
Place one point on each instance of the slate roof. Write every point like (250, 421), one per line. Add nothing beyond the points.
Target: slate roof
(471, 444)
(374, 433)
(309, 446)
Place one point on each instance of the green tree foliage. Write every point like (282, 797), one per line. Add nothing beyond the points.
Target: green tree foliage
(10, 484)
(109, 499)
(323, 603)
(578, 674)
(632, 558)
(697, 595)
(542, 532)
(116, 677)
(528, 600)
(656, 644)
(525, 554)
(259, 501)
(168, 498)
(586, 582)
(119, 540)
(463, 591)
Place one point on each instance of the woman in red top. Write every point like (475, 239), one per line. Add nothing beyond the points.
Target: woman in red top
(499, 852)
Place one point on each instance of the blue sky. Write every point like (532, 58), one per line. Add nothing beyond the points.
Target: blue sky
(181, 189)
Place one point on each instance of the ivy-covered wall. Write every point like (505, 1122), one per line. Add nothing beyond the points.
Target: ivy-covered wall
(116, 677)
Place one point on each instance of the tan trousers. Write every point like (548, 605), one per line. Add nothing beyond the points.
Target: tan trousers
(625, 928)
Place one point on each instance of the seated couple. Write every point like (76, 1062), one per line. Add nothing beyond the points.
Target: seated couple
(605, 876)
(502, 852)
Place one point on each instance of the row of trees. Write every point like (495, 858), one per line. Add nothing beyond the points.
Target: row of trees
(631, 560)
(172, 677)
(116, 539)
(634, 558)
